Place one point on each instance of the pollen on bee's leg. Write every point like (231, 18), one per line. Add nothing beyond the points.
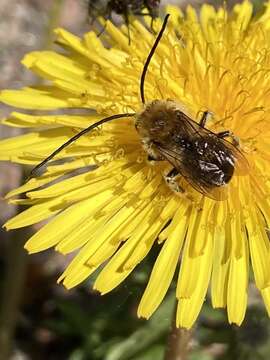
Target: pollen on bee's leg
(174, 186)
(172, 181)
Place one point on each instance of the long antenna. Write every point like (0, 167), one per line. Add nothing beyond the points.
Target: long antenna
(74, 138)
(151, 55)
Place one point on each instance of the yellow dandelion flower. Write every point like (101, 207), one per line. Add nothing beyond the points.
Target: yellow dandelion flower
(114, 213)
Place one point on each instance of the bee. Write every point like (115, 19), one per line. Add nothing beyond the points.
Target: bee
(206, 160)
(124, 8)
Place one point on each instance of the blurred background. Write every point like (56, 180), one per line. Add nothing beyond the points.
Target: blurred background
(40, 319)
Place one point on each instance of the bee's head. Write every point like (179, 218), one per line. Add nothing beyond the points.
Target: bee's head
(157, 119)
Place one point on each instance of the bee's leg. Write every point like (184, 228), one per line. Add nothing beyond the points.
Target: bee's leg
(228, 133)
(106, 18)
(171, 181)
(147, 14)
(152, 24)
(173, 173)
(153, 158)
(127, 25)
(205, 116)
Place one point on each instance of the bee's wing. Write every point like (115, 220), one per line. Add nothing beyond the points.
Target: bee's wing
(174, 158)
(241, 166)
(192, 128)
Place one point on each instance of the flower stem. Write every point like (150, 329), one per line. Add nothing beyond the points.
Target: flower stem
(178, 342)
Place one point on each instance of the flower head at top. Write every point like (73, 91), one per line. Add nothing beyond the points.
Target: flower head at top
(113, 211)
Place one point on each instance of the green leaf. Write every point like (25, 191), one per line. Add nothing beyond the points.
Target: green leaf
(146, 335)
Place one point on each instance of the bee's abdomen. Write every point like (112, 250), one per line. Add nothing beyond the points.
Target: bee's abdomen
(210, 161)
